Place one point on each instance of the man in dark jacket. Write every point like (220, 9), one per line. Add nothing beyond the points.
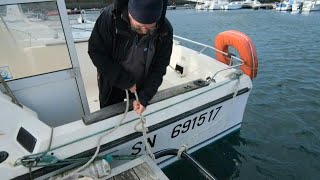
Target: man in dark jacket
(131, 48)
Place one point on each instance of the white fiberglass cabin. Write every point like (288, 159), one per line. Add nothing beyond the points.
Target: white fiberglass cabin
(49, 97)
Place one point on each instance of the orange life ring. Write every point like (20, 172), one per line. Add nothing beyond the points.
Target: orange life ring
(243, 44)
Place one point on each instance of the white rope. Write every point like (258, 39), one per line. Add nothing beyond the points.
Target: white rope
(100, 139)
(144, 131)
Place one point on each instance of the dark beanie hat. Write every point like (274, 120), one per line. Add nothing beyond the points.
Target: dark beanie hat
(145, 11)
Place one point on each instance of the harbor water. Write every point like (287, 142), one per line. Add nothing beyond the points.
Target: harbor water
(280, 133)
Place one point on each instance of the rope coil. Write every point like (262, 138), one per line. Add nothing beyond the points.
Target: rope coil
(144, 131)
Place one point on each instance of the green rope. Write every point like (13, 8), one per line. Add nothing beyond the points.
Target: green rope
(125, 157)
(34, 156)
(50, 160)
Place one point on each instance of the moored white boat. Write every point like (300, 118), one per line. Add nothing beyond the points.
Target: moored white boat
(297, 6)
(233, 5)
(284, 6)
(217, 4)
(56, 113)
(251, 4)
(202, 5)
(311, 6)
(172, 6)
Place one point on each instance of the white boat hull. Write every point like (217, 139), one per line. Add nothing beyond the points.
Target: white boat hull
(311, 6)
(180, 120)
(232, 6)
(297, 7)
(283, 7)
(169, 128)
(202, 5)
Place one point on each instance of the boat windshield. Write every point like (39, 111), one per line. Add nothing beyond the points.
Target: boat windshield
(32, 43)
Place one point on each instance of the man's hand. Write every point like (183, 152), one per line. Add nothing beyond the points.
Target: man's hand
(133, 89)
(139, 108)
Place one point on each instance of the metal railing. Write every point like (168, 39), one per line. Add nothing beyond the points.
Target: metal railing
(231, 56)
(6, 87)
(210, 47)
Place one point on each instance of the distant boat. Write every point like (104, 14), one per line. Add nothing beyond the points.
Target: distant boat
(233, 5)
(69, 11)
(250, 4)
(284, 6)
(297, 6)
(187, 6)
(311, 6)
(218, 4)
(172, 6)
(202, 5)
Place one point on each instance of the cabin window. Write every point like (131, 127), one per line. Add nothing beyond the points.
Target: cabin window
(32, 40)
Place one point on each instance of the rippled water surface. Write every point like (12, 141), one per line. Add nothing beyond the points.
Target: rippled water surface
(280, 133)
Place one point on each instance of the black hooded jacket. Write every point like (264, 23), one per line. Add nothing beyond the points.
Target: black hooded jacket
(108, 44)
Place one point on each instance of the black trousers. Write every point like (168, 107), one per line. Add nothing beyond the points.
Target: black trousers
(116, 95)
(108, 94)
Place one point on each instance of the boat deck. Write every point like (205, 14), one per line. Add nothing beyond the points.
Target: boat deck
(141, 168)
(196, 66)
